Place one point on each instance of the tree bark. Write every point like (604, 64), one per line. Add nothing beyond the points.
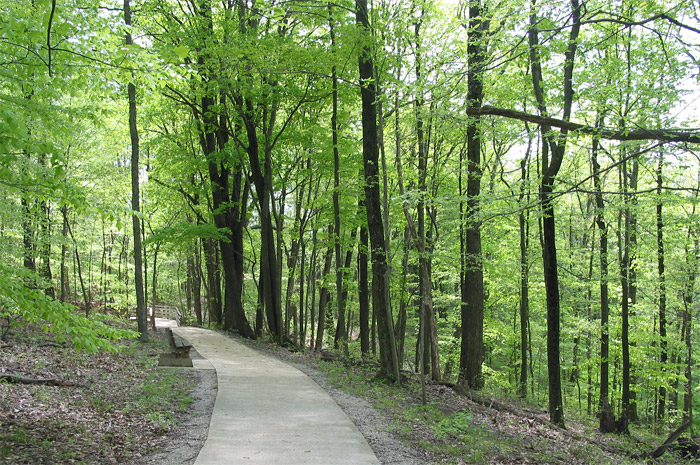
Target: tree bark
(663, 356)
(229, 206)
(324, 293)
(65, 281)
(692, 262)
(524, 281)
(606, 415)
(340, 336)
(472, 283)
(45, 269)
(214, 289)
(431, 360)
(363, 285)
(135, 195)
(550, 168)
(197, 286)
(389, 365)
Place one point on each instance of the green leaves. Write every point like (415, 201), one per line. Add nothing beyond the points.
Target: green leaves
(182, 51)
(32, 306)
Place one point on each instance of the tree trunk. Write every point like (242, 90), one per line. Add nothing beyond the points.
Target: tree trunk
(262, 178)
(28, 236)
(524, 279)
(65, 281)
(363, 287)
(45, 269)
(340, 339)
(228, 220)
(197, 286)
(86, 293)
(430, 346)
(472, 284)
(403, 301)
(324, 294)
(663, 356)
(290, 309)
(389, 365)
(626, 250)
(606, 415)
(133, 130)
(154, 283)
(312, 286)
(302, 292)
(550, 168)
(692, 261)
(214, 290)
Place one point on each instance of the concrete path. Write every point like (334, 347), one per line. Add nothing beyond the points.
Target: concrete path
(267, 412)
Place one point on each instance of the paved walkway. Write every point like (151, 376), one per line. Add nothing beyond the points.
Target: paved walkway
(267, 412)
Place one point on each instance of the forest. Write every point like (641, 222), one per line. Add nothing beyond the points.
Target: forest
(499, 195)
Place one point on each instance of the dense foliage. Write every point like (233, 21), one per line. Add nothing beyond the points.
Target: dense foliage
(503, 129)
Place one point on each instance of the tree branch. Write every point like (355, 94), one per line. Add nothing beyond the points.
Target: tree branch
(664, 135)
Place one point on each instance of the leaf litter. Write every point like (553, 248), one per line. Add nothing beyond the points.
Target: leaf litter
(113, 413)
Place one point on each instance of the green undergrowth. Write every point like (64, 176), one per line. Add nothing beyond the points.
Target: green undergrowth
(456, 431)
(449, 435)
(162, 392)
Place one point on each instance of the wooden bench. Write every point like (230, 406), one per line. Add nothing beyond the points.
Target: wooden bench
(178, 347)
(179, 355)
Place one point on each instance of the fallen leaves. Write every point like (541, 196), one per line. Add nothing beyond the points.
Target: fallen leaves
(102, 420)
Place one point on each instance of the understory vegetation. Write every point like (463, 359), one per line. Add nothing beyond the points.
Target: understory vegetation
(490, 428)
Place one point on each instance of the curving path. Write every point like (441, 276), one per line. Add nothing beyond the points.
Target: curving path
(267, 412)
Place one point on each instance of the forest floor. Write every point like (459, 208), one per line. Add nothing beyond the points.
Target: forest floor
(104, 408)
(114, 408)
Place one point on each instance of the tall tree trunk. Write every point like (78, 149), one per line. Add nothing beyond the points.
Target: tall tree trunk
(65, 281)
(389, 364)
(606, 415)
(228, 219)
(472, 285)
(431, 358)
(626, 251)
(45, 269)
(403, 301)
(290, 308)
(312, 286)
(324, 293)
(663, 356)
(340, 338)
(214, 289)
(262, 178)
(550, 168)
(692, 262)
(524, 280)
(135, 196)
(229, 193)
(154, 284)
(363, 285)
(302, 292)
(197, 286)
